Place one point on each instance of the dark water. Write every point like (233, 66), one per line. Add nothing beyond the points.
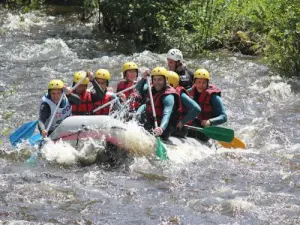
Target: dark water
(196, 186)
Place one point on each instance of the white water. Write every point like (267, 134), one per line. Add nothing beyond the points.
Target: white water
(259, 185)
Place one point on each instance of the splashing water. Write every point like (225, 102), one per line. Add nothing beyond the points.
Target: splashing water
(198, 185)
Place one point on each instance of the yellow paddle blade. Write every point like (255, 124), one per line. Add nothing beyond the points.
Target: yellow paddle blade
(236, 143)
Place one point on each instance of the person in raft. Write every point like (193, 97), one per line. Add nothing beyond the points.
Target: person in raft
(209, 99)
(102, 77)
(175, 64)
(166, 103)
(130, 74)
(189, 109)
(49, 103)
(88, 98)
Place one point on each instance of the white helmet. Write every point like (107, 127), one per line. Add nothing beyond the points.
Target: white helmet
(175, 54)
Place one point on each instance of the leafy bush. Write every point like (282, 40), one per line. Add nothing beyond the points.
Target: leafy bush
(257, 27)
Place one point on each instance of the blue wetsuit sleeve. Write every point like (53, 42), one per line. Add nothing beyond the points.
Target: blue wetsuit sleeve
(141, 109)
(140, 87)
(193, 108)
(219, 114)
(117, 104)
(168, 103)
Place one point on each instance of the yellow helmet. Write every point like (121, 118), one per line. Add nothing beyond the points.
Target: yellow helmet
(78, 76)
(130, 66)
(159, 71)
(102, 74)
(173, 79)
(55, 84)
(201, 73)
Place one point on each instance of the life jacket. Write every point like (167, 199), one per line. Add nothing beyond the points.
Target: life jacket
(159, 107)
(134, 98)
(61, 113)
(122, 85)
(203, 100)
(107, 98)
(182, 110)
(86, 107)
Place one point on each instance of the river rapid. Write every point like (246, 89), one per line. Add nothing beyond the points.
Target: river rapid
(259, 185)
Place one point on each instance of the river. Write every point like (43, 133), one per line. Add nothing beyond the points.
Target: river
(259, 185)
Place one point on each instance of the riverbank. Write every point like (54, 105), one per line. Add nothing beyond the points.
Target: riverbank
(196, 27)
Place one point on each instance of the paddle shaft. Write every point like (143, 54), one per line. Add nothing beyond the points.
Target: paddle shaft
(152, 102)
(193, 128)
(114, 100)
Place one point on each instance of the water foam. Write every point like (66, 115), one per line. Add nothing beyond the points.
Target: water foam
(24, 22)
(63, 153)
(50, 49)
(60, 152)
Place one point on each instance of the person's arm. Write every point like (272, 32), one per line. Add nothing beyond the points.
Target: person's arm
(97, 91)
(142, 87)
(117, 104)
(193, 108)
(74, 99)
(168, 104)
(219, 113)
(44, 114)
(141, 109)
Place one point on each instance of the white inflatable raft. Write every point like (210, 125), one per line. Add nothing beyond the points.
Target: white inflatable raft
(78, 130)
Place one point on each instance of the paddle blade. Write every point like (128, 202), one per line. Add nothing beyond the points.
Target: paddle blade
(236, 143)
(161, 151)
(219, 133)
(35, 139)
(23, 133)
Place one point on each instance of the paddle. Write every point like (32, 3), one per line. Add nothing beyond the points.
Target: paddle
(22, 133)
(216, 133)
(161, 152)
(114, 100)
(236, 143)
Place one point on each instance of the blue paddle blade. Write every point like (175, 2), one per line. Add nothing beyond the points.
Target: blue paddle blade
(35, 139)
(23, 133)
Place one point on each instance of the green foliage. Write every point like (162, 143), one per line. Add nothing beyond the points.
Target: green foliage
(256, 27)
(8, 115)
(5, 131)
(24, 5)
(283, 49)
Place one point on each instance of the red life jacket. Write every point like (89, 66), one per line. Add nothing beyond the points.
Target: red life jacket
(122, 85)
(203, 100)
(135, 99)
(159, 107)
(107, 98)
(86, 106)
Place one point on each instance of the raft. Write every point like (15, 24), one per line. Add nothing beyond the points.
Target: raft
(78, 130)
